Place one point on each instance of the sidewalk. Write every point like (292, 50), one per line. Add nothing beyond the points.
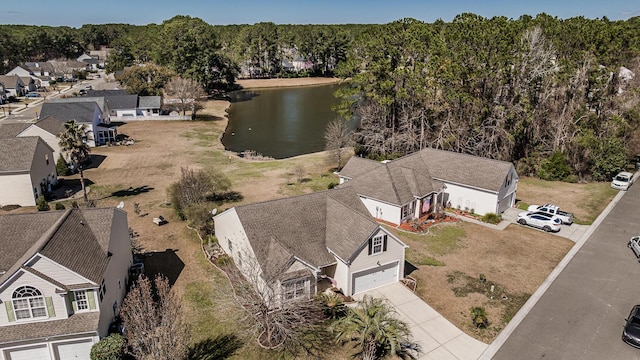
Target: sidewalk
(438, 338)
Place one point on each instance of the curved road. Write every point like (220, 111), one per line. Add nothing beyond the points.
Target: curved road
(582, 313)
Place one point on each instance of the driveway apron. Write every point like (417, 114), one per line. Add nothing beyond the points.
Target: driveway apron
(437, 337)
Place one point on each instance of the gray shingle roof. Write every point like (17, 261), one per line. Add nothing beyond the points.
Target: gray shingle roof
(306, 226)
(122, 102)
(82, 112)
(83, 99)
(149, 102)
(12, 130)
(77, 239)
(78, 323)
(16, 154)
(422, 172)
(51, 125)
(81, 242)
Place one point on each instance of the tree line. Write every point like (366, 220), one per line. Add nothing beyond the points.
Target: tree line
(557, 97)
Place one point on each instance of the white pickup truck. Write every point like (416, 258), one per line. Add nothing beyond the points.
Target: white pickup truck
(565, 217)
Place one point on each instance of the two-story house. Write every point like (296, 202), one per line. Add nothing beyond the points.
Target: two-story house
(63, 275)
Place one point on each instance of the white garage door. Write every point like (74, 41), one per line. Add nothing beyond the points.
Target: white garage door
(39, 352)
(375, 277)
(74, 350)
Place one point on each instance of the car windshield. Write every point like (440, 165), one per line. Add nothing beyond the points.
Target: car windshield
(635, 320)
(622, 178)
(556, 220)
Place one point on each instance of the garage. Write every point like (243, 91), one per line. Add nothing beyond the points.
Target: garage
(73, 350)
(36, 352)
(375, 277)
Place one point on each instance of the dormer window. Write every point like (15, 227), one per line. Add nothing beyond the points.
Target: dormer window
(378, 244)
(28, 303)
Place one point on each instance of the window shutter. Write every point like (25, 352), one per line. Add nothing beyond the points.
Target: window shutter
(74, 304)
(384, 243)
(10, 315)
(91, 299)
(50, 309)
(370, 247)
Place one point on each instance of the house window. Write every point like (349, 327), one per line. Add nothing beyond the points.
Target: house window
(230, 245)
(296, 289)
(46, 158)
(28, 303)
(378, 244)
(406, 211)
(102, 291)
(82, 303)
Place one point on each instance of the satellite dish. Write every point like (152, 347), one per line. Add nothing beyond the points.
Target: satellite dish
(121, 205)
(214, 211)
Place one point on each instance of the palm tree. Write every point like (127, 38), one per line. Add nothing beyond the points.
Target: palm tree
(378, 333)
(73, 144)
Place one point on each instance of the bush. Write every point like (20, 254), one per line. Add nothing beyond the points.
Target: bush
(332, 185)
(62, 168)
(491, 218)
(109, 348)
(224, 260)
(42, 204)
(479, 317)
(60, 206)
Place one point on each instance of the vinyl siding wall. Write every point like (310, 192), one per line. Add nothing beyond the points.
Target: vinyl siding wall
(48, 138)
(482, 202)
(43, 167)
(363, 261)
(21, 190)
(382, 210)
(56, 271)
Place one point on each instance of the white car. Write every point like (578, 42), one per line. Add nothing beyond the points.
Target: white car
(542, 221)
(622, 181)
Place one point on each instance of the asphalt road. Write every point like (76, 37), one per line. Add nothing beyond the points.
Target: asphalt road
(582, 313)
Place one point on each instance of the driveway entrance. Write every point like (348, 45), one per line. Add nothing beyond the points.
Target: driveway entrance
(438, 338)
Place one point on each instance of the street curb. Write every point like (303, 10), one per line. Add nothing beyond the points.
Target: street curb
(524, 310)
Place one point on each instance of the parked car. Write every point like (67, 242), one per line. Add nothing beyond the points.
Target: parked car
(634, 244)
(540, 220)
(622, 181)
(631, 332)
(565, 217)
(32, 95)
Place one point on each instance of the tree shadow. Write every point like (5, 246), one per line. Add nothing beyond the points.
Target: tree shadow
(242, 95)
(68, 189)
(207, 117)
(218, 348)
(131, 191)
(93, 161)
(229, 196)
(166, 263)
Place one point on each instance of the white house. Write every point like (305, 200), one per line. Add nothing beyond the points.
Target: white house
(63, 275)
(299, 246)
(27, 170)
(98, 127)
(412, 186)
(13, 85)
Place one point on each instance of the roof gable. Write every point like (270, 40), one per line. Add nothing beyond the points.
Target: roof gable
(17, 154)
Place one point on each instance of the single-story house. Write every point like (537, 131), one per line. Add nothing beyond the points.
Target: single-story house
(27, 170)
(13, 85)
(89, 113)
(414, 185)
(63, 275)
(297, 247)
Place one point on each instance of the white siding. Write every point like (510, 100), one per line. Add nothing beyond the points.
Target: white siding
(47, 289)
(21, 190)
(481, 202)
(382, 211)
(56, 271)
(43, 166)
(506, 196)
(116, 275)
(342, 276)
(363, 261)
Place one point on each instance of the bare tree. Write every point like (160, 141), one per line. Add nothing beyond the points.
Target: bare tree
(275, 321)
(187, 92)
(153, 319)
(195, 187)
(338, 136)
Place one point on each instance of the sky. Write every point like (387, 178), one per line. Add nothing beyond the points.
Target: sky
(75, 13)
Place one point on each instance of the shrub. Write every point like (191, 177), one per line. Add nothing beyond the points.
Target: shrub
(109, 348)
(224, 260)
(332, 185)
(332, 305)
(62, 168)
(42, 204)
(479, 317)
(491, 218)
(555, 167)
(60, 206)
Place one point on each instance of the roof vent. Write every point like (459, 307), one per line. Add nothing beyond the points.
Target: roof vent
(81, 222)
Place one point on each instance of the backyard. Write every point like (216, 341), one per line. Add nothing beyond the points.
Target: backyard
(449, 259)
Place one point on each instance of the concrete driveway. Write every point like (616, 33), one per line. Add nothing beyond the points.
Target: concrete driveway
(438, 338)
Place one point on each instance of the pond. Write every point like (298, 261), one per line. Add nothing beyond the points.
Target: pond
(280, 122)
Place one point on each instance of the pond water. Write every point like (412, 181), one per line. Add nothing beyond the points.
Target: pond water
(280, 122)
